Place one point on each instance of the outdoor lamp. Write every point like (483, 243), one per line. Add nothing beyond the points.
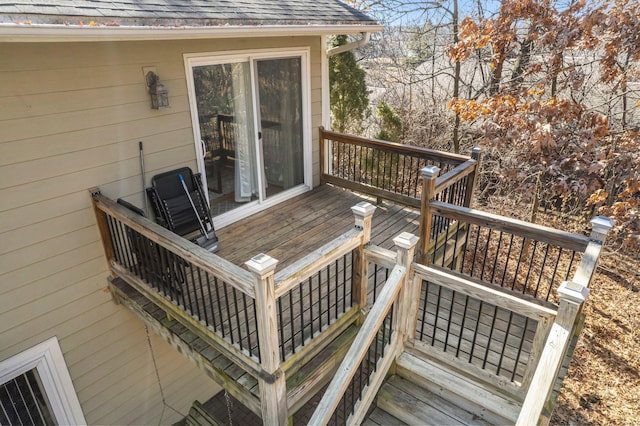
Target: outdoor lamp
(159, 93)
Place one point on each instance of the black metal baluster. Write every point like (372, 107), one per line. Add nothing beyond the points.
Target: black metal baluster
(486, 253)
(466, 246)
(228, 312)
(188, 289)
(573, 256)
(517, 360)
(553, 275)
(311, 317)
(446, 338)
(495, 264)
(255, 327)
(540, 275)
(320, 301)
(493, 326)
(246, 323)
(291, 311)
(475, 331)
(437, 317)
(504, 346)
(515, 275)
(218, 299)
(301, 303)
(211, 306)
(235, 306)
(506, 264)
(533, 255)
(475, 251)
(464, 318)
(425, 286)
(281, 331)
(204, 305)
(336, 290)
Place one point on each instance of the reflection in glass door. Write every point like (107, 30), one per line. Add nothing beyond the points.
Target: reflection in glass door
(280, 93)
(250, 122)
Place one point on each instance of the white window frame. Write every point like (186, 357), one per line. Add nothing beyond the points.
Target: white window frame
(48, 360)
(212, 58)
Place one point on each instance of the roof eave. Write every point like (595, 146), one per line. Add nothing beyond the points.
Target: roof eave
(75, 33)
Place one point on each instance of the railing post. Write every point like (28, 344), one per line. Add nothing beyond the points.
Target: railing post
(472, 180)
(600, 227)
(363, 213)
(273, 390)
(405, 248)
(429, 175)
(324, 155)
(103, 228)
(571, 297)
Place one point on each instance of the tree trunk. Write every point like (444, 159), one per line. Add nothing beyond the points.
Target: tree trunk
(456, 80)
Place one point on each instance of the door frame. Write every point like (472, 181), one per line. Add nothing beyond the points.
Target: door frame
(252, 55)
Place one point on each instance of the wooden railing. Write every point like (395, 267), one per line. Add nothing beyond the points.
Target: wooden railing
(572, 295)
(390, 170)
(269, 324)
(492, 296)
(378, 343)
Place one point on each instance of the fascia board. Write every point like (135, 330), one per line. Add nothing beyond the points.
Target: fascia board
(75, 33)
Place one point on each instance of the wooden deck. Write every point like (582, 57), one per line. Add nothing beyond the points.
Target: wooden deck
(293, 229)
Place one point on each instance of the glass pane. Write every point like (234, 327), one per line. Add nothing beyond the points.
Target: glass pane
(23, 402)
(280, 89)
(225, 114)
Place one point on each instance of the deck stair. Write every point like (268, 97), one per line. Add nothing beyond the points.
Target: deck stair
(198, 416)
(423, 392)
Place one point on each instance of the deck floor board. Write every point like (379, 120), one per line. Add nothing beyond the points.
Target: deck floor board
(289, 231)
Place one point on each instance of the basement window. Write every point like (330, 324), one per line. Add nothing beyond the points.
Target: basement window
(36, 389)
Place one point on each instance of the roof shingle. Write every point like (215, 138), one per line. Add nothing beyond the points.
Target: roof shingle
(183, 12)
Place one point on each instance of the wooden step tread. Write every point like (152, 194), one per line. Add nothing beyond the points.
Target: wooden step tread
(458, 389)
(379, 417)
(414, 405)
(198, 416)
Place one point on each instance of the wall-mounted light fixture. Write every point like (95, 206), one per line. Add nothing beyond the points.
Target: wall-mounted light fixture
(159, 93)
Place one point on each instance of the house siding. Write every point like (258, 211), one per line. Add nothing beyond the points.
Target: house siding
(71, 116)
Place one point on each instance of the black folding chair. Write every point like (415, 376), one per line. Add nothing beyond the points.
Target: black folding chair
(179, 203)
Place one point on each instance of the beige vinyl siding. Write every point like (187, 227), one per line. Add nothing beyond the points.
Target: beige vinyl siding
(71, 116)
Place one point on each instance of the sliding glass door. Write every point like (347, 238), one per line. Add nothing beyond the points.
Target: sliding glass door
(250, 124)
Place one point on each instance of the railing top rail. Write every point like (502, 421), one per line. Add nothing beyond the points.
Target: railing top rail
(454, 175)
(441, 156)
(521, 303)
(310, 264)
(566, 240)
(231, 273)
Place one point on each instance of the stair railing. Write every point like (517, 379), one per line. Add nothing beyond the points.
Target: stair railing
(377, 344)
(572, 295)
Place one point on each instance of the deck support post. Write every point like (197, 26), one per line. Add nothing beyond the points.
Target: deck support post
(429, 175)
(273, 389)
(363, 213)
(409, 296)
